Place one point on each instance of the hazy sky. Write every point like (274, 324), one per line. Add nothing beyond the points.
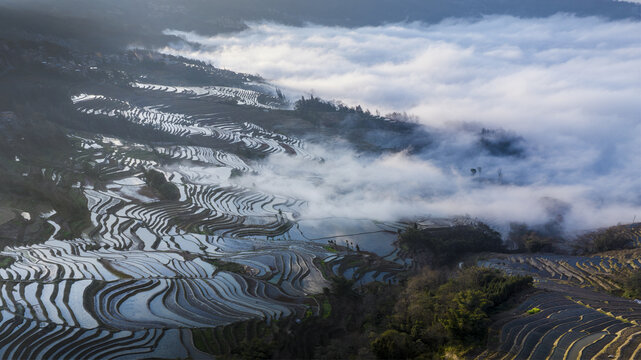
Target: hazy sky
(571, 87)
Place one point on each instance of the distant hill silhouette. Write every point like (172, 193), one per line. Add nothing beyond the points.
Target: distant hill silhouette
(101, 21)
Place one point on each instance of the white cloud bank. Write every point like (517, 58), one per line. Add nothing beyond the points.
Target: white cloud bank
(570, 86)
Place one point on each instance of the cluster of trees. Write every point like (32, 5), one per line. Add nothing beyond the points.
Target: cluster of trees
(434, 314)
(445, 245)
(229, 266)
(548, 238)
(630, 284)
(314, 104)
(528, 239)
(318, 105)
(366, 131)
(426, 316)
(6, 261)
(501, 143)
(157, 181)
(617, 237)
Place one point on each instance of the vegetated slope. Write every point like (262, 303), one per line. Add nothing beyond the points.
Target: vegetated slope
(580, 312)
(426, 315)
(134, 233)
(124, 233)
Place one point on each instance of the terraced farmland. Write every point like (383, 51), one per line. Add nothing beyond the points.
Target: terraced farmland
(241, 96)
(148, 271)
(156, 117)
(154, 206)
(565, 329)
(588, 271)
(578, 317)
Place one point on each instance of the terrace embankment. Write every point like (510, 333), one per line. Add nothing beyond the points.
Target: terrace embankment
(139, 235)
(580, 312)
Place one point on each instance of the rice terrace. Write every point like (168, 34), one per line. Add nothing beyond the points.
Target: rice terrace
(336, 180)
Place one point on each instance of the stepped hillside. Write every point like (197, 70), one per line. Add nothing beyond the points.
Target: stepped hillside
(133, 224)
(129, 266)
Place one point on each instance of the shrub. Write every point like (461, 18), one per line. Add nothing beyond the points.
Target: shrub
(613, 238)
(450, 244)
(393, 344)
(156, 180)
(6, 261)
(630, 284)
(467, 316)
(532, 240)
(227, 266)
(256, 349)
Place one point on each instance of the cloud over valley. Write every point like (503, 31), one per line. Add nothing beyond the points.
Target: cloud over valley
(564, 91)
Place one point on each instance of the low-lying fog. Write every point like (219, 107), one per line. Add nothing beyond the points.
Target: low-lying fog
(565, 91)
